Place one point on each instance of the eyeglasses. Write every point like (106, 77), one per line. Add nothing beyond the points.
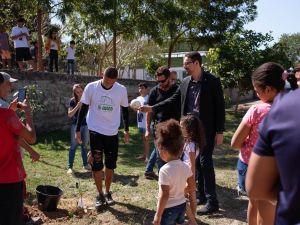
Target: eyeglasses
(187, 63)
(162, 81)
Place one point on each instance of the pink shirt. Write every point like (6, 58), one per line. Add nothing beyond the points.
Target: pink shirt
(253, 118)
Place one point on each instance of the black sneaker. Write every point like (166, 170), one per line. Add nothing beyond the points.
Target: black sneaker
(100, 201)
(151, 176)
(109, 199)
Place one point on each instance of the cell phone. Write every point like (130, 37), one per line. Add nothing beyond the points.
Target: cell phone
(22, 94)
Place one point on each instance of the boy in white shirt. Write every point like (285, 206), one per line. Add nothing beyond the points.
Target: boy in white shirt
(20, 35)
(173, 176)
(71, 58)
(141, 120)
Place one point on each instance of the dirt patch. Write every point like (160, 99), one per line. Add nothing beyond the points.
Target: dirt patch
(66, 210)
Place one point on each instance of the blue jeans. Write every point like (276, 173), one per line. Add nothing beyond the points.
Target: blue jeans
(242, 170)
(85, 140)
(70, 66)
(173, 215)
(154, 158)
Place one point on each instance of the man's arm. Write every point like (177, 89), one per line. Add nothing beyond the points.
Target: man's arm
(220, 112)
(164, 105)
(149, 116)
(126, 124)
(220, 107)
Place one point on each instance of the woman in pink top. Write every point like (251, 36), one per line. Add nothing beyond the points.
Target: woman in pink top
(268, 80)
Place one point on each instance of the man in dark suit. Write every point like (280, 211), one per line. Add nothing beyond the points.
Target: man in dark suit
(201, 94)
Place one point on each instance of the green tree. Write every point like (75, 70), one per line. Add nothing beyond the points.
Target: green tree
(236, 57)
(291, 43)
(198, 21)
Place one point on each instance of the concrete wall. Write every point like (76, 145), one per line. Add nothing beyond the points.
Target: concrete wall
(57, 91)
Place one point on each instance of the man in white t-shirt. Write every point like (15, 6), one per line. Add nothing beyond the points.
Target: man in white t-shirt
(20, 35)
(102, 102)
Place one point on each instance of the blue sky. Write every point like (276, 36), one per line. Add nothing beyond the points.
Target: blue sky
(278, 16)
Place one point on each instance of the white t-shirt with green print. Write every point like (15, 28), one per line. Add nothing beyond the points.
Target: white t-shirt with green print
(104, 107)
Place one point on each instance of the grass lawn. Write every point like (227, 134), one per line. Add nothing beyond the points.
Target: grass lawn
(135, 196)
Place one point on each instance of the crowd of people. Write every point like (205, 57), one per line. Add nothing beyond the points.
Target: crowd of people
(24, 52)
(186, 121)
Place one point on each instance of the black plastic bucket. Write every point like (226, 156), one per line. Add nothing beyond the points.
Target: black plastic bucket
(48, 197)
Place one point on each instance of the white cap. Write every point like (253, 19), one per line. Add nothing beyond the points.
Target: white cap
(7, 77)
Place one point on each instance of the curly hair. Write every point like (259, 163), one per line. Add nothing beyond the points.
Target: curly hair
(169, 137)
(195, 130)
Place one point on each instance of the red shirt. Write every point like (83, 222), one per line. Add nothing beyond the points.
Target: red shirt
(11, 165)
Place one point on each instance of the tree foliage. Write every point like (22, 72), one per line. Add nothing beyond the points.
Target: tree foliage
(236, 57)
(291, 43)
(199, 21)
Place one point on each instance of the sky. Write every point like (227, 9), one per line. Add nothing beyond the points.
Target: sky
(278, 16)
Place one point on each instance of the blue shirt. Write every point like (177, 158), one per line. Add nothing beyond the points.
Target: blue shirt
(280, 138)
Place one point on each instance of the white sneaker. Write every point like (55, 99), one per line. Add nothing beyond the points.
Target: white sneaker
(70, 171)
(88, 167)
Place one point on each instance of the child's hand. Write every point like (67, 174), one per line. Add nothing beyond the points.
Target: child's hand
(34, 156)
(156, 220)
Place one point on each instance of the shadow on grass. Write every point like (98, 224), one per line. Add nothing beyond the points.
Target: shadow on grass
(132, 214)
(135, 215)
(56, 140)
(83, 175)
(225, 157)
(130, 180)
(52, 164)
(232, 206)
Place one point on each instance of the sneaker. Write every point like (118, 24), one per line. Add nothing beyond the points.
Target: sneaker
(241, 192)
(208, 209)
(201, 201)
(70, 171)
(87, 167)
(100, 201)
(109, 199)
(151, 176)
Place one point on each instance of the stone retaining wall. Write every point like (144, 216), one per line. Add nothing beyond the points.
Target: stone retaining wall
(57, 91)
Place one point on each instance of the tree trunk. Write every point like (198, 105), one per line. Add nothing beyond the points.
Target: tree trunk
(40, 64)
(115, 35)
(170, 55)
(114, 48)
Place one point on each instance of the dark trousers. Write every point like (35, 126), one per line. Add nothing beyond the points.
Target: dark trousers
(206, 173)
(11, 203)
(53, 59)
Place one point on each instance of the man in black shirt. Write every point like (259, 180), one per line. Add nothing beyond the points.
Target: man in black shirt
(200, 94)
(159, 93)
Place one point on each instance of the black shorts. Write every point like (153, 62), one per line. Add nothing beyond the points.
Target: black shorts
(104, 144)
(23, 54)
(11, 203)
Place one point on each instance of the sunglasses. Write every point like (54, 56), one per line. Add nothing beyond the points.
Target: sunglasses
(162, 81)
